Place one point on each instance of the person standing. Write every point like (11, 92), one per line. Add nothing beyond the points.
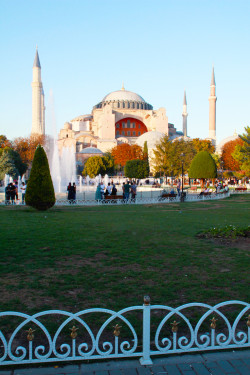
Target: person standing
(7, 194)
(12, 193)
(126, 191)
(178, 187)
(15, 184)
(23, 190)
(133, 191)
(102, 189)
(74, 192)
(98, 193)
(114, 190)
(70, 190)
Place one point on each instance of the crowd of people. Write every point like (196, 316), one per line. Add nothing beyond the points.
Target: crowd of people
(128, 190)
(11, 193)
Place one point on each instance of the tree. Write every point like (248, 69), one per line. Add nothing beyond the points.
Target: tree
(168, 156)
(203, 145)
(40, 191)
(26, 147)
(136, 169)
(203, 166)
(108, 162)
(242, 152)
(145, 151)
(4, 142)
(227, 155)
(94, 166)
(7, 166)
(16, 159)
(124, 152)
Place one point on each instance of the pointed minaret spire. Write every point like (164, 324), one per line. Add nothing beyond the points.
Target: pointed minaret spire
(212, 110)
(123, 86)
(184, 115)
(185, 99)
(38, 106)
(37, 61)
(213, 78)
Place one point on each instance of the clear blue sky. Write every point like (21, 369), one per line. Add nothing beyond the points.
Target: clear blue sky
(157, 47)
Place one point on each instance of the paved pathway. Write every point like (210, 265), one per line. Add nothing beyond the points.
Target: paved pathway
(219, 363)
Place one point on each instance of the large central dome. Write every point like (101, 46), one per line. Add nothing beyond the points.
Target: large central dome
(125, 100)
(123, 95)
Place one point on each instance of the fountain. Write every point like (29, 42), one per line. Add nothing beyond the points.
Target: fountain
(63, 166)
(6, 180)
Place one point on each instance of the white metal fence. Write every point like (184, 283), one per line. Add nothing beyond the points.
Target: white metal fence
(137, 331)
(155, 199)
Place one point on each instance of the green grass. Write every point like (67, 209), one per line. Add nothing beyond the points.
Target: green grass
(73, 258)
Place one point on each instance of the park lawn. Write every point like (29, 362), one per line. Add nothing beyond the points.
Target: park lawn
(74, 258)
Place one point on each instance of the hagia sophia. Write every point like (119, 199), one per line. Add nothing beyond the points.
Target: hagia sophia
(121, 116)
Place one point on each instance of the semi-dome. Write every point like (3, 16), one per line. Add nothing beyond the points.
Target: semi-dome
(91, 150)
(124, 99)
(152, 138)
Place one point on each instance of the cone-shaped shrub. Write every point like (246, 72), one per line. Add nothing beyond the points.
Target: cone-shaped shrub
(40, 191)
(203, 166)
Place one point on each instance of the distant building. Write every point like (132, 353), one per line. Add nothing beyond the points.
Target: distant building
(120, 117)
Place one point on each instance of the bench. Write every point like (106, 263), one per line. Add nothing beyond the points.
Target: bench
(168, 195)
(241, 189)
(112, 197)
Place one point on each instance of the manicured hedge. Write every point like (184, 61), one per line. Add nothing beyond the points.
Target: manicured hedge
(40, 191)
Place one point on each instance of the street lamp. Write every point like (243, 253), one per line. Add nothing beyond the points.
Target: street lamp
(182, 181)
(222, 165)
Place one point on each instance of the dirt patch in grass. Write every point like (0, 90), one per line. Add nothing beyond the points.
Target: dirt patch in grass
(242, 243)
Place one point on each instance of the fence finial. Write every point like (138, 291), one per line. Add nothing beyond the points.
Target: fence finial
(30, 335)
(146, 300)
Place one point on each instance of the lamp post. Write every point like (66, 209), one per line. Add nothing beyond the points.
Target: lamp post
(222, 165)
(182, 172)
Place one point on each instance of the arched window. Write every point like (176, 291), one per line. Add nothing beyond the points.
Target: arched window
(125, 125)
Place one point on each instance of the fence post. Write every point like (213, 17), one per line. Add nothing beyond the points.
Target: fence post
(146, 360)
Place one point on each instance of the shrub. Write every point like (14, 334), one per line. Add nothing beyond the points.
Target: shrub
(136, 169)
(40, 191)
(229, 231)
(203, 166)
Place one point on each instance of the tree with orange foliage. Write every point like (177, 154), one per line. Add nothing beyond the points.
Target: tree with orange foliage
(26, 147)
(125, 152)
(4, 142)
(227, 158)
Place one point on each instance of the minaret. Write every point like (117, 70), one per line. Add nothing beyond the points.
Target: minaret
(212, 110)
(184, 115)
(38, 108)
